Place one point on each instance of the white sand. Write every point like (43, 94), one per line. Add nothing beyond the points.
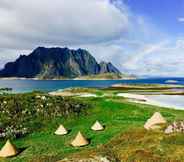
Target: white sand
(65, 93)
(148, 100)
(88, 95)
(132, 96)
(168, 101)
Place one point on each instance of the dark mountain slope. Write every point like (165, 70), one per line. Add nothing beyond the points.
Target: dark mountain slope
(51, 63)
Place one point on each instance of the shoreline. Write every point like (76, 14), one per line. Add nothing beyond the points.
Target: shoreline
(63, 79)
(105, 76)
(175, 101)
(145, 99)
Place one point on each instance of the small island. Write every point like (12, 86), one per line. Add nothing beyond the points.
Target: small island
(61, 64)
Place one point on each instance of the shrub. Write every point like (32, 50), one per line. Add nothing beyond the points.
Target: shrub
(23, 113)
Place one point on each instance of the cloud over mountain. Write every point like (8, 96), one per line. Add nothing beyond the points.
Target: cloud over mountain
(111, 30)
(59, 22)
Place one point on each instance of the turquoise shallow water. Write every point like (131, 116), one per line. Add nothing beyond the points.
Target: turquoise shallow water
(51, 85)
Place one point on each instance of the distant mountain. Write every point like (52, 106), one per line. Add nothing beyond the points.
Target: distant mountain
(49, 63)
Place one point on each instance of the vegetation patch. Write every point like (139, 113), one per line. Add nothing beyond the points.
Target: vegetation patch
(123, 139)
(25, 113)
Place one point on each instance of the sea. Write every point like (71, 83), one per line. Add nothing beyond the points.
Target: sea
(23, 86)
(20, 86)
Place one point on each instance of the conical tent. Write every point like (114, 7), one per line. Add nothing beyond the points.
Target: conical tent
(61, 130)
(79, 140)
(8, 150)
(154, 121)
(97, 126)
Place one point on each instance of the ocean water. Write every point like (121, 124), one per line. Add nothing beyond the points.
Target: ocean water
(52, 85)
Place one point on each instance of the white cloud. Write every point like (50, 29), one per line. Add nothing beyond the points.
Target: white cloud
(144, 50)
(181, 19)
(26, 24)
(7, 55)
(161, 59)
(107, 28)
(180, 43)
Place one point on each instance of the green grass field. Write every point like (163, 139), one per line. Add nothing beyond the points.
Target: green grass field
(123, 138)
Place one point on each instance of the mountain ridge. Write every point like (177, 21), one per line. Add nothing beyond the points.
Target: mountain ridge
(56, 62)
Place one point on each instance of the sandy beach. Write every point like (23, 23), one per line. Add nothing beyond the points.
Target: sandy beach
(155, 100)
(167, 101)
(70, 94)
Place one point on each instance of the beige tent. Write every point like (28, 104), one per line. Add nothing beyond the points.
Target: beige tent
(79, 140)
(97, 126)
(8, 150)
(61, 130)
(154, 121)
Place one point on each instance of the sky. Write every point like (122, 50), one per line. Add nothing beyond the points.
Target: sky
(142, 37)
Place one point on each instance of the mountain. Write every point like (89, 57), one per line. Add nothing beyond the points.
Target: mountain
(49, 63)
(107, 67)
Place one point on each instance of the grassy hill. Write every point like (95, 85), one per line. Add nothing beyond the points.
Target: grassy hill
(123, 139)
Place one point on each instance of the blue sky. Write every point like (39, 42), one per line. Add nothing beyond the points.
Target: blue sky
(163, 13)
(143, 37)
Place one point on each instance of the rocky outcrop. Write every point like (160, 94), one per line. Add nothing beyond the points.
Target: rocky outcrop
(108, 67)
(48, 63)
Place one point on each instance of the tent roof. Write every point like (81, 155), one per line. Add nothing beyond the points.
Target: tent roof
(8, 150)
(155, 120)
(61, 130)
(79, 140)
(97, 126)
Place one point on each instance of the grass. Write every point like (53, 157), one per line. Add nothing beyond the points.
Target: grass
(123, 137)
